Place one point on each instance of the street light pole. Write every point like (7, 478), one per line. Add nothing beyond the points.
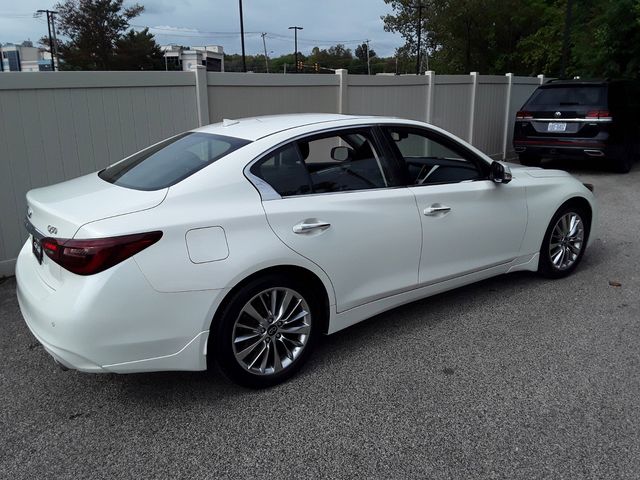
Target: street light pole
(420, 7)
(244, 59)
(295, 30)
(368, 59)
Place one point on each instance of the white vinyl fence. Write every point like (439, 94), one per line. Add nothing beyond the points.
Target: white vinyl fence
(58, 125)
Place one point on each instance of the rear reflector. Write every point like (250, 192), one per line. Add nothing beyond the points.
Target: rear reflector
(86, 257)
(602, 114)
(523, 115)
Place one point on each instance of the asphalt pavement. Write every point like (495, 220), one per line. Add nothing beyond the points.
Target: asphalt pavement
(516, 377)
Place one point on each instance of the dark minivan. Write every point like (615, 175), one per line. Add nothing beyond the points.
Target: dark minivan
(576, 119)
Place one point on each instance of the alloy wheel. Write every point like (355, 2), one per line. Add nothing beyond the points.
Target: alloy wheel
(271, 331)
(567, 241)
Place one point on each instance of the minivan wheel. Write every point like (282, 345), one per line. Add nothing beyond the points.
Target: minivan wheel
(564, 242)
(266, 332)
(530, 160)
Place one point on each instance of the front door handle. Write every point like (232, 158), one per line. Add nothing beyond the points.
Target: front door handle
(310, 227)
(436, 209)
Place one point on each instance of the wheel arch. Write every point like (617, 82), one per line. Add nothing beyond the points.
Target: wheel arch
(294, 271)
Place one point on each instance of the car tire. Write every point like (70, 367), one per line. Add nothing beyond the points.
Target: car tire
(258, 349)
(624, 162)
(560, 241)
(530, 160)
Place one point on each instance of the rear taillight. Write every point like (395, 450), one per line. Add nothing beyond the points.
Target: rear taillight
(524, 115)
(601, 114)
(86, 257)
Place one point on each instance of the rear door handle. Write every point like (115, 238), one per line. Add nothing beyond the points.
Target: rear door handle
(436, 209)
(310, 227)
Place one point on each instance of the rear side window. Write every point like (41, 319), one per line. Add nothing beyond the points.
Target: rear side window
(570, 96)
(170, 161)
(326, 163)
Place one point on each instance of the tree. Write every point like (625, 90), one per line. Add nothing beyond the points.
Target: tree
(361, 52)
(137, 51)
(94, 28)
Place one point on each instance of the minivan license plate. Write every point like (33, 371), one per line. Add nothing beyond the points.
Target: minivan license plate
(557, 127)
(36, 247)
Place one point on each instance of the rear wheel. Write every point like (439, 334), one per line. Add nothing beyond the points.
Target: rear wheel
(530, 160)
(266, 332)
(624, 162)
(564, 242)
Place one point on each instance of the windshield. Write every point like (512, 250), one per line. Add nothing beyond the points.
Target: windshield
(573, 95)
(170, 161)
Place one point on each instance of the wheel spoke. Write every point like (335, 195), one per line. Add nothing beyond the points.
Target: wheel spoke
(253, 313)
(574, 249)
(263, 365)
(243, 353)
(264, 304)
(274, 301)
(301, 330)
(287, 352)
(277, 362)
(244, 338)
(284, 304)
(300, 315)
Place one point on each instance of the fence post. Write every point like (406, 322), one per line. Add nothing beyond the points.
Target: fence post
(472, 113)
(431, 75)
(541, 77)
(507, 116)
(343, 77)
(202, 95)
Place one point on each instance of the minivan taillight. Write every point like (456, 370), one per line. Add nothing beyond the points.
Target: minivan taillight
(89, 256)
(601, 114)
(523, 115)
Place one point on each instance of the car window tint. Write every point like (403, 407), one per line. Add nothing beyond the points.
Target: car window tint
(170, 161)
(284, 171)
(343, 162)
(428, 161)
(334, 162)
(570, 95)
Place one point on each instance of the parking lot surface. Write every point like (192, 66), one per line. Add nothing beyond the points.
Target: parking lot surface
(515, 377)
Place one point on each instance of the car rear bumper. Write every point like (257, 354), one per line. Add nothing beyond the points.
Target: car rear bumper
(114, 321)
(565, 149)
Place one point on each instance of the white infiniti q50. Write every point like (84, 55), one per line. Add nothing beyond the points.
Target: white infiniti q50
(242, 242)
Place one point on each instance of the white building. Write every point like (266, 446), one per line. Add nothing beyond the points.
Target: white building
(186, 58)
(21, 58)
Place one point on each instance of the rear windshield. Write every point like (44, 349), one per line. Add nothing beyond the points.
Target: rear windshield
(573, 95)
(170, 161)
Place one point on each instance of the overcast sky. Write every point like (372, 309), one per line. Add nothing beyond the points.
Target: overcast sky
(216, 22)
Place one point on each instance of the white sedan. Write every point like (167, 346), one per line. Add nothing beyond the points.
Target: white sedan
(244, 241)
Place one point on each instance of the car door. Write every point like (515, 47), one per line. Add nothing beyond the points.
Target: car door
(469, 223)
(341, 207)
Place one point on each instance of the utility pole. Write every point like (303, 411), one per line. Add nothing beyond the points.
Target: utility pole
(420, 6)
(295, 30)
(264, 44)
(244, 59)
(368, 59)
(566, 38)
(53, 44)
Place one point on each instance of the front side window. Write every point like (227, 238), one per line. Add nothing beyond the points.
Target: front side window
(335, 162)
(428, 160)
(170, 161)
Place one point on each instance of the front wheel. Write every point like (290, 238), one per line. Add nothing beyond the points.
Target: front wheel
(564, 242)
(266, 332)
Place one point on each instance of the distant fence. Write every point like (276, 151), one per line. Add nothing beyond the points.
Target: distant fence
(58, 125)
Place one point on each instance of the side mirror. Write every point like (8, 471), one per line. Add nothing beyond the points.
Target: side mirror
(340, 153)
(500, 173)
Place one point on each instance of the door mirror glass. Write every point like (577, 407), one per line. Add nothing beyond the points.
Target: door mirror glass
(500, 173)
(340, 153)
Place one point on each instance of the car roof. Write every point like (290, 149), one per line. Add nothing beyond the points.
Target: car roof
(575, 82)
(253, 128)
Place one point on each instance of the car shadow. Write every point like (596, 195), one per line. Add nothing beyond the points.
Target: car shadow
(422, 314)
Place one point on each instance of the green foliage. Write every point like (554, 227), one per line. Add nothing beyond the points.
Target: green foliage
(98, 40)
(521, 36)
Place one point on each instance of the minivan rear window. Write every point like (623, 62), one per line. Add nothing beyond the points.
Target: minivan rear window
(171, 161)
(570, 96)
